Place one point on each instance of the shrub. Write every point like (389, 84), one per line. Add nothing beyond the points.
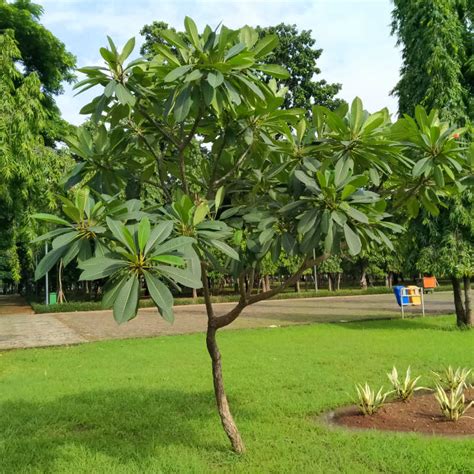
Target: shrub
(453, 405)
(369, 401)
(452, 379)
(403, 389)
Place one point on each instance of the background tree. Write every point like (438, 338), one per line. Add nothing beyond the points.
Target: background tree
(296, 52)
(447, 248)
(30, 170)
(271, 180)
(437, 52)
(437, 45)
(42, 53)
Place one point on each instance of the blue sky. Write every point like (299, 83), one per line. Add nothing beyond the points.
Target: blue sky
(354, 34)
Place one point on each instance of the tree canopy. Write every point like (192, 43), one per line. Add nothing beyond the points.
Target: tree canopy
(267, 178)
(39, 50)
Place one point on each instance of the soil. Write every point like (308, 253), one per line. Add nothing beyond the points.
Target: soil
(420, 414)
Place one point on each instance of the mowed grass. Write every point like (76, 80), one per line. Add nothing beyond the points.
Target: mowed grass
(146, 405)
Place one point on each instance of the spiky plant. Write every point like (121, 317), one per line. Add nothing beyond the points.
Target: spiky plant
(370, 401)
(453, 378)
(405, 388)
(453, 403)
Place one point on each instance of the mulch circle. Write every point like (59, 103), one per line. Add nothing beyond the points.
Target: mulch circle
(420, 414)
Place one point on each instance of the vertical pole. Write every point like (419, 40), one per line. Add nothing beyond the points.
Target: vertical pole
(422, 302)
(46, 278)
(315, 273)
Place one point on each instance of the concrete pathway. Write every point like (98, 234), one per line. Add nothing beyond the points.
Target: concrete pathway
(24, 329)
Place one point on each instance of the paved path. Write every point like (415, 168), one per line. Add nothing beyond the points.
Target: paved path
(21, 328)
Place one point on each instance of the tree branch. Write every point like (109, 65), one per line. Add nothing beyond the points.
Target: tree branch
(239, 162)
(226, 319)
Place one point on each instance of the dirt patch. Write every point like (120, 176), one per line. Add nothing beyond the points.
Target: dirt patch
(421, 414)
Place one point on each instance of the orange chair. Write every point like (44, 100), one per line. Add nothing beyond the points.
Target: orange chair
(429, 284)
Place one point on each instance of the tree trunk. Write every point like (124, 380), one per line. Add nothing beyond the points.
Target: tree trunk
(458, 303)
(338, 281)
(195, 294)
(363, 280)
(227, 420)
(297, 286)
(467, 302)
(268, 285)
(329, 282)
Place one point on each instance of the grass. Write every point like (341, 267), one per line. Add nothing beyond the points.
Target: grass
(147, 303)
(146, 405)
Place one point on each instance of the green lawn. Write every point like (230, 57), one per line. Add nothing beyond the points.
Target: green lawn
(146, 405)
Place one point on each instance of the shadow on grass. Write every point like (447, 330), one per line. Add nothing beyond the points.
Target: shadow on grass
(126, 424)
(433, 322)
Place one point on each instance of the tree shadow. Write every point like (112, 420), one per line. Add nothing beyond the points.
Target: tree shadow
(126, 424)
(412, 322)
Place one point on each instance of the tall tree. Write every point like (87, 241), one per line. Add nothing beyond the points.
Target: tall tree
(30, 170)
(436, 37)
(437, 71)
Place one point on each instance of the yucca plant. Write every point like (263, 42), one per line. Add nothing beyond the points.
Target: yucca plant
(369, 401)
(405, 388)
(453, 404)
(453, 378)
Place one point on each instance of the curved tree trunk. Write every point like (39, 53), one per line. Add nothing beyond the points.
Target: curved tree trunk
(227, 420)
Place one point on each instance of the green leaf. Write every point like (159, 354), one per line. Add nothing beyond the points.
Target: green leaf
(356, 114)
(356, 214)
(161, 295)
(192, 31)
(72, 252)
(420, 166)
(225, 249)
(126, 303)
(183, 104)
(180, 276)
(265, 46)
(234, 51)
(159, 233)
(127, 49)
(143, 233)
(48, 261)
(200, 213)
(219, 198)
(49, 235)
(65, 239)
(177, 72)
(124, 96)
(174, 39)
(353, 240)
(50, 218)
(177, 243)
(169, 259)
(274, 70)
(121, 233)
(215, 79)
(167, 54)
(100, 267)
(111, 291)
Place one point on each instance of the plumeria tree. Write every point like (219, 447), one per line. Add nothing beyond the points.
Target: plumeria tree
(265, 179)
